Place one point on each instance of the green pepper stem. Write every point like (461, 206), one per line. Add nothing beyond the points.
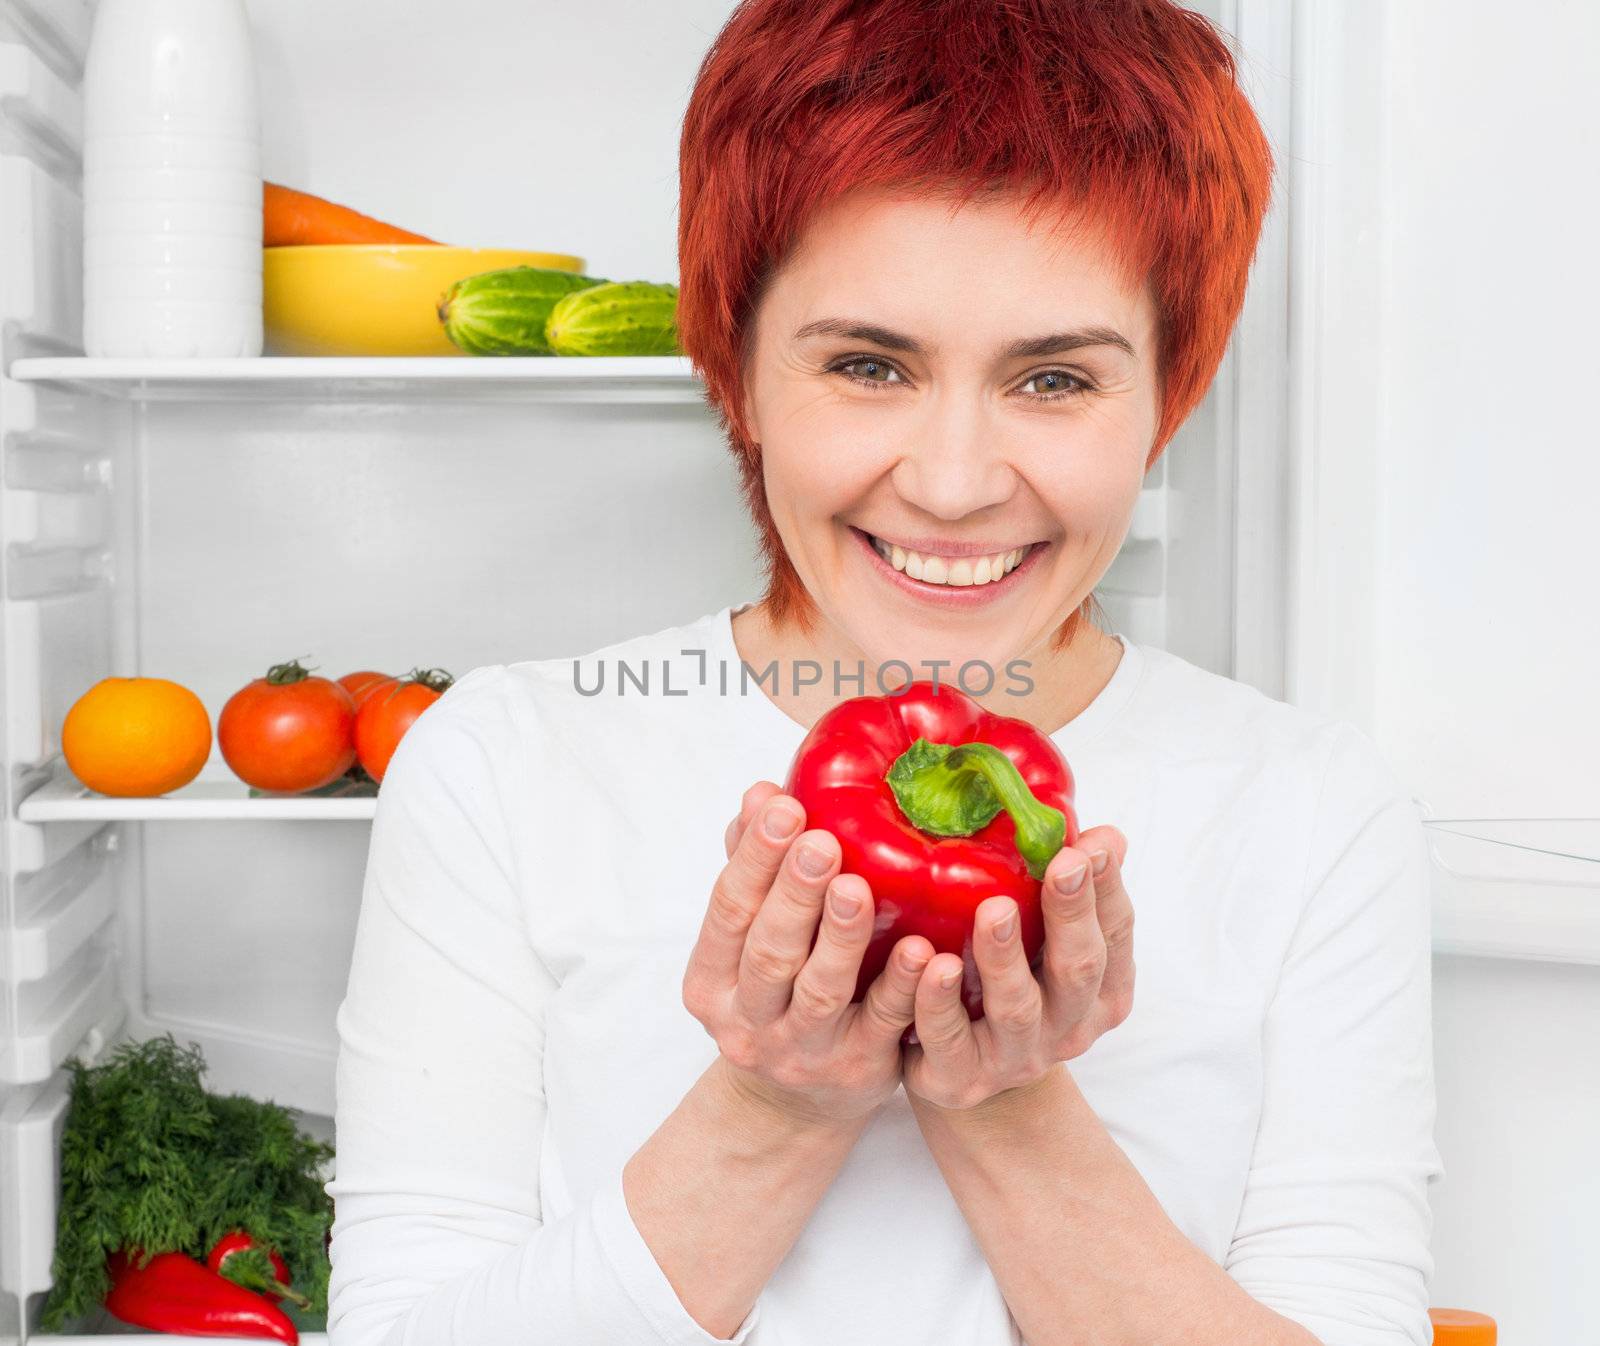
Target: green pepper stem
(240, 1272)
(956, 789)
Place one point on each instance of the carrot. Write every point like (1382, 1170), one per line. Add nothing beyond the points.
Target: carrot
(291, 217)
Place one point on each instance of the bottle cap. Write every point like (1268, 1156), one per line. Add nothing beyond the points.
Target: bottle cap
(1459, 1327)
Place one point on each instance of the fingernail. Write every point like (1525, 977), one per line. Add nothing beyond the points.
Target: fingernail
(812, 861)
(949, 979)
(1071, 880)
(844, 905)
(1005, 927)
(780, 822)
(1099, 858)
(913, 962)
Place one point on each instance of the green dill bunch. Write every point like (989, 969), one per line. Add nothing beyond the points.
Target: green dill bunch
(151, 1159)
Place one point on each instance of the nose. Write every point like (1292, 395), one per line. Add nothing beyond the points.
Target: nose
(954, 466)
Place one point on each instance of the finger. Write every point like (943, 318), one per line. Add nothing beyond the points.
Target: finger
(1105, 838)
(739, 891)
(824, 985)
(1012, 1002)
(749, 805)
(949, 1045)
(890, 1004)
(1114, 906)
(1074, 949)
(780, 936)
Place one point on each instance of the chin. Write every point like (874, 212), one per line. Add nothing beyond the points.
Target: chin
(933, 647)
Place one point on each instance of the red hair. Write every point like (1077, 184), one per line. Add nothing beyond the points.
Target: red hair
(1127, 113)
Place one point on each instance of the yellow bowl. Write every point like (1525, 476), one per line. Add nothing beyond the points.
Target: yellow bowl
(373, 298)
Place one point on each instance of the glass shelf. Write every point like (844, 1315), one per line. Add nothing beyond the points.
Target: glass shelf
(643, 378)
(210, 797)
(1517, 887)
(1561, 838)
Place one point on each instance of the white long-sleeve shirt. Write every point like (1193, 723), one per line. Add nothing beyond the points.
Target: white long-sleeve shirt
(513, 1029)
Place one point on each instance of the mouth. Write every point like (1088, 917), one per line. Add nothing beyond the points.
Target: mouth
(933, 574)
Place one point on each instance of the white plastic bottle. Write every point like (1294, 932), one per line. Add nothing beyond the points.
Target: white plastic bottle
(171, 181)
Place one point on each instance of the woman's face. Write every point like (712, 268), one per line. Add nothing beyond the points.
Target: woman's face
(948, 485)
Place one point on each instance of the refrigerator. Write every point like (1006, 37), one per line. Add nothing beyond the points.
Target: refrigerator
(1322, 528)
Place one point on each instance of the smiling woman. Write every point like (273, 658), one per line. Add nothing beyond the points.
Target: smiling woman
(953, 271)
(950, 477)
(1121, 125)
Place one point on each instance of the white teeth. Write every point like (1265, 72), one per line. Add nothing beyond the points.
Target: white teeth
(959, 571)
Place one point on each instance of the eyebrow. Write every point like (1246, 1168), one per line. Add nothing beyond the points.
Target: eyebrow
(1056, 343)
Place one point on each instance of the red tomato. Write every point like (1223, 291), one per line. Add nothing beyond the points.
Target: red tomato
(288, 731)
(364, 684)
(386, 716)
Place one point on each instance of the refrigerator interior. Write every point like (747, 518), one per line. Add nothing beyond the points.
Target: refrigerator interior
(198, 523)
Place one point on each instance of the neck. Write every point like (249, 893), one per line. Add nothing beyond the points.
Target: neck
(1065, 681)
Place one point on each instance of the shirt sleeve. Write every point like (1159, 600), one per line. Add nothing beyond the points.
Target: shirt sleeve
(438, 1235)
(1334, 1227)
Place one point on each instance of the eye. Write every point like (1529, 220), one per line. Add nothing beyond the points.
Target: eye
(870, 362)
(1062, 383)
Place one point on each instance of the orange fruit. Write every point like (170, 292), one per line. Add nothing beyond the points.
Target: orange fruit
(136, 736)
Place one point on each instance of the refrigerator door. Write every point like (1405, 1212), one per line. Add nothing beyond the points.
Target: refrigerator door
(1444, 572)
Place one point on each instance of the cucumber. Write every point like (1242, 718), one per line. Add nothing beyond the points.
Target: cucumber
(631, 317)
(504, 312)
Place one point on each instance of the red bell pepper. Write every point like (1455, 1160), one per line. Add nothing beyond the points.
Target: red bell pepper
(224, 1259)
(174, 1293)
(938, 804)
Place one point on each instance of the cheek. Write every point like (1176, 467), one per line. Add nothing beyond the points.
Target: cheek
(787, 478)
(1088, 474)
(814, 476)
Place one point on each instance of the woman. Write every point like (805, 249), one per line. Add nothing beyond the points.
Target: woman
(953, 274)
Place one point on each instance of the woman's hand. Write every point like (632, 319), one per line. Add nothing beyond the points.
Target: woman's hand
(779, 1009)
(1030, 1023)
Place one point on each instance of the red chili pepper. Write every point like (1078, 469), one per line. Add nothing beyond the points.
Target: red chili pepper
(175, 1293)
(241, 1273)
(938, 804)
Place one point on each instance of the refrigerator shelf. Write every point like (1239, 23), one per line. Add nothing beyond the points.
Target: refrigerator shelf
(1517, 887)
(665, 379)
(1563, 839)
(210, 798)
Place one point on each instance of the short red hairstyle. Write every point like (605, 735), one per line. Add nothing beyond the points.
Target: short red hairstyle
(1126, 113)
